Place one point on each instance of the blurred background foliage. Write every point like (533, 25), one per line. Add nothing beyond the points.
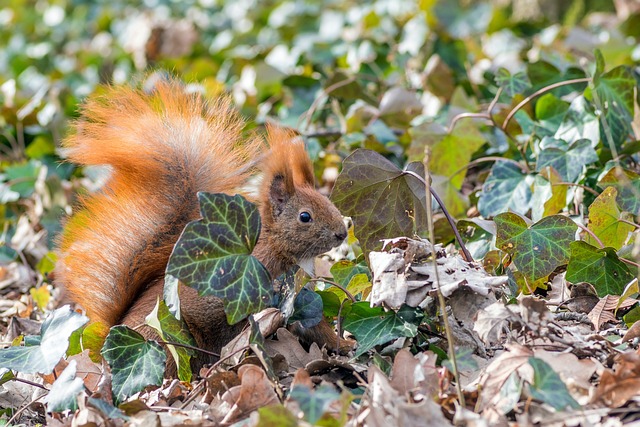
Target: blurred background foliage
(346, 74)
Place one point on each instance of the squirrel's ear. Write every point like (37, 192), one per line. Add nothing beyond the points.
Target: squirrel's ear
(279, 193)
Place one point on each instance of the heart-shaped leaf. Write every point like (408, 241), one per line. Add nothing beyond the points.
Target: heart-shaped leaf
(605, 220)
(506, 188)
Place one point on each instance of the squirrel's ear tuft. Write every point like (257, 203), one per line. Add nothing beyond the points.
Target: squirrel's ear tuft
(288, 154)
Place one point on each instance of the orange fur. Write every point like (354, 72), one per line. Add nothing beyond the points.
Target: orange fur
(163, 148)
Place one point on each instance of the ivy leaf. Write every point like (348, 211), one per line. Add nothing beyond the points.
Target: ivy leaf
(615, 90)
(506, 188)
(628, 185)
(548, 387)
(49, 347)
(512, 84)
(173, 330)
(135, 363)
(548, 199)
(108, 410)
(539, 249)
(314, 403)
(381, 199)
(307, 308)
(580, 122)
(569, 163)
(374, 325)
(550, 111)
(213, 255)
(64, 390)
(343, 271)
(600, 267)
(604, 220)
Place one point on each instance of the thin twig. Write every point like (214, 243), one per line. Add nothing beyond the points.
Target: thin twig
(22, 380)
(538, 93)
(461, 116)
(442, 303)
(522, 167)
(337, 285)
(573, 184)
(190, 347)
(582, 227)
(24, 408)
(465, 253)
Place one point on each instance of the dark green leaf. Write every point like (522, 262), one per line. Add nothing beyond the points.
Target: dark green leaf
(213, 255)
(50, 345)
(615, 91)
(539, 249)
(330, 303)
(373, 325)
(307, 308)
(381, 199)
(600, 267)
(548, 387)
(569, 163)
(135, 363)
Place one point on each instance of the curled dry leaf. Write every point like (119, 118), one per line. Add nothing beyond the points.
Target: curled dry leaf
(604, 311)
(415, 374)
(497, 372)
(632, 333)
(289, 347)
(405, 274)
(268, 320)
(255, 391)
(383, 406)
(493, 322)
(622, 383)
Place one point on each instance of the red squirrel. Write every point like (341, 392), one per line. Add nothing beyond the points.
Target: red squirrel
(163, 147)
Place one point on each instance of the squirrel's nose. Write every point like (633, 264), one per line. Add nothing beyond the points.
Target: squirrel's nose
(341, 235)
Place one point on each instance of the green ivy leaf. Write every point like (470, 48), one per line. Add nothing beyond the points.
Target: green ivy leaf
(213, 255)
(600, 267)
(548, 387)
(307, 308)
(615, 90)
(64, 390)
(506, 188)
(604, 220)
(330, 303)
(628, 185)
(374, 325)
(381, 199)
(549, 112)
(344, 270)
(173, 330)
(580, 122)
(314, 403)
(49, 346)
(569, 163)
(512, 84)
(135, 363)
(539, 249)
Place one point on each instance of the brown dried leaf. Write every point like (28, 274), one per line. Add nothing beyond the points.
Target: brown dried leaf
(495, 375)
(621, 384)
(633, 332)
(604, 311)
(268, 320)
(255, 391)
(289, 347)
(410, 373)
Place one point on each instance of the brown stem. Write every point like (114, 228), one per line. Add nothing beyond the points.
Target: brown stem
(337, 285)
(465, 253)
(538, 93)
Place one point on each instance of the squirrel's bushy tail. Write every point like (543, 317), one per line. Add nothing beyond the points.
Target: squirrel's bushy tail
(163, 147)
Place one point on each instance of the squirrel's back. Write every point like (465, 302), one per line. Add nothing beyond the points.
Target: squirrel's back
(163, 147)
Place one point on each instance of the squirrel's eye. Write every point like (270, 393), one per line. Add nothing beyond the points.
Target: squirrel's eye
(305, 216)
